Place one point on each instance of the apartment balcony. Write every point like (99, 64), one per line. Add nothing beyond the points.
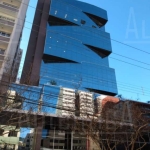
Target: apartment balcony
(5, 37)
(14, 3)
(9, 9)
(10, 6)
(1, 62)
(2, 51)
(1, 57)
(7, 21)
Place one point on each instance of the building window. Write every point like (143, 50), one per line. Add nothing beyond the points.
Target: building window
(27, 145)
(83, 21)
(1, 132)
(13, 133)
(61, 147)
(93, 26)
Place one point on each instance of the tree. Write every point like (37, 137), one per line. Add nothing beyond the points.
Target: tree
(123, 125)
(53, 82)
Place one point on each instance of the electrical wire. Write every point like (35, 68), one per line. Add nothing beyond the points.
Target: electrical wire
(130, 88)
(135, 89)
(51, 95)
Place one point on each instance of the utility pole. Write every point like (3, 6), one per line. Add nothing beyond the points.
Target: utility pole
(38, 129)
(41, 99)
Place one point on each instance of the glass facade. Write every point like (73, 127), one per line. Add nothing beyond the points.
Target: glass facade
(77, 48)
(75, 55)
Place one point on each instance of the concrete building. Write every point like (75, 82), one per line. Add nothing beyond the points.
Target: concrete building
(62, 140)
(28, 141)
(75, 103)
(66, 101)
(9, 137)
(12, 17)
(86, 104)
(101, 100)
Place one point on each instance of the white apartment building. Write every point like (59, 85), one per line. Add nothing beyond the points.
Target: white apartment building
(66, 102)
(28, 141)
(12, 17)
(9, 137)
(76, 103)
(86, 104)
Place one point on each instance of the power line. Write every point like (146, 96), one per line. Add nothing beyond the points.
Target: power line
(50, 95)
(131, 59)
(55, 70)
(52, 77)
(88, 77)
(130, 63)
(124, 89)
(117, 60)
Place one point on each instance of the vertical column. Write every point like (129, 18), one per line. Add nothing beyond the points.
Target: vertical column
(68, 140)
(71, 140)
(54, 138)
(87, 143)
(38, 135)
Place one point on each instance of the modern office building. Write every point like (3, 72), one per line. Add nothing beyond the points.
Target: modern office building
(69, 45)
(12, 17)
(68, 52)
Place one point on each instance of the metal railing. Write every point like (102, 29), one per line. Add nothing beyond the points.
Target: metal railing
(2, 51)
(2, 33)
(6, 18)
(10, 5)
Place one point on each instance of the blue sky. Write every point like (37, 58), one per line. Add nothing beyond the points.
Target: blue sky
(128, 23)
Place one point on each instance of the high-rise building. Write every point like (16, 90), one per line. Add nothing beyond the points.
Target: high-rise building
(12, 17)
(70, 47)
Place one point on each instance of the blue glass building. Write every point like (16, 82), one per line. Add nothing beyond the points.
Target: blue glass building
(70, 48)
(77, 47)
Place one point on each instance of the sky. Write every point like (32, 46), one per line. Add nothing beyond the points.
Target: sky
(128, 25)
